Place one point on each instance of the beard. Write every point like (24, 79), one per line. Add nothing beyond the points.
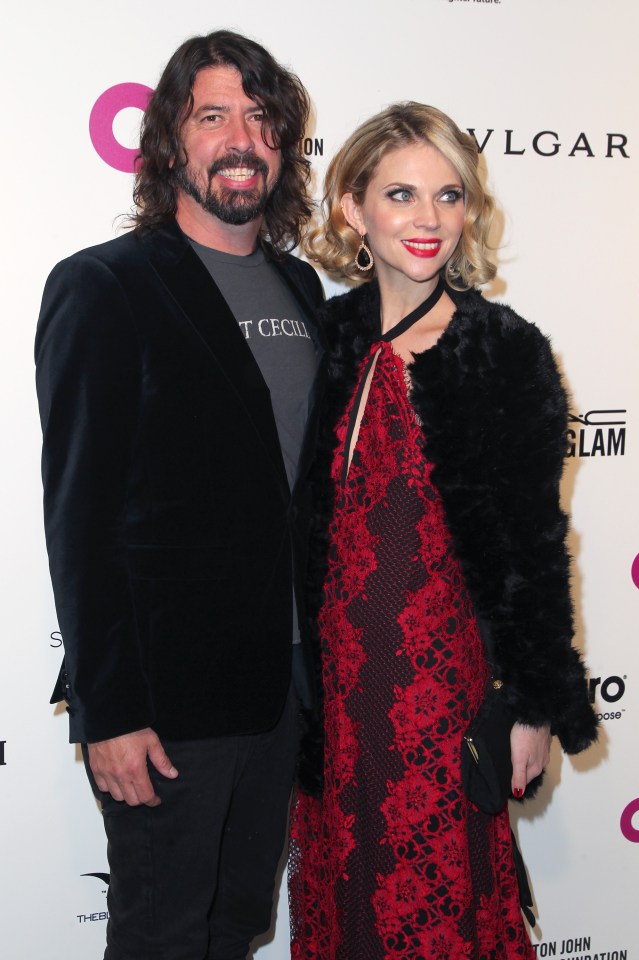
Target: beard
(230, 206)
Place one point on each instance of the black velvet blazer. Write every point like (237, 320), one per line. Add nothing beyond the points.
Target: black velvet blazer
(494, 420)
(167, 508)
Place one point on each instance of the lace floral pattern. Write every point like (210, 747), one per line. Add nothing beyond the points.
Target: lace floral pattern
(394, 863)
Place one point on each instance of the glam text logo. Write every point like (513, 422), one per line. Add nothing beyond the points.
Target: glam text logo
(598, 433)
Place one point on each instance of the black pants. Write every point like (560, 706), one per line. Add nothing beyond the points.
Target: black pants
(193, 878)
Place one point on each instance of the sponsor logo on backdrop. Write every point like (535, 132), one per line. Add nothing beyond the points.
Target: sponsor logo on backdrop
(548, 143)
(3, 762)
(629, 831)
(124, 96)
(105, 109)
(634, 571)
(577, 948)
(99, 914)
(510, 142)
(607, 692)
(313, 147)
(56, 639)
(476, 1)
(598, 433)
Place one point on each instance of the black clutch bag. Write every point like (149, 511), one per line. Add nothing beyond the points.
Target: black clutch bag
(486, 764)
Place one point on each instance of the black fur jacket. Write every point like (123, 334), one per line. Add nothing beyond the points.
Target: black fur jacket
(494, 418)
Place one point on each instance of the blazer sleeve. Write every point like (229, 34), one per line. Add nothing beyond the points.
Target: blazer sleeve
(532, 621)
(88, 377)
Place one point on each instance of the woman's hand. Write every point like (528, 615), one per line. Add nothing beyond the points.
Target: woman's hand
(530, 752)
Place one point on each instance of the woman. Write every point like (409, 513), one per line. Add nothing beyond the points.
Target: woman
(436, 488)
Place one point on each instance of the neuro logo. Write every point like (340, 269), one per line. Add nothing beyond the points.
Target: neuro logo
(105, 110)
(629, 831)
(610, 690)
(635, 571)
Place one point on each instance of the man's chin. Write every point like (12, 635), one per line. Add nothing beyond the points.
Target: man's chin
(236, 209)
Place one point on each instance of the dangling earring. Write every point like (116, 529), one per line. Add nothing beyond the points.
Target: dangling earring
(364, 257)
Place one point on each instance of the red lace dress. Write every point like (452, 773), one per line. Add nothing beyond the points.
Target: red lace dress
(394, 863)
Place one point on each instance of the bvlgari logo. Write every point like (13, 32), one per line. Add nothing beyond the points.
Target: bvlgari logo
(597, 433)
(549, 143)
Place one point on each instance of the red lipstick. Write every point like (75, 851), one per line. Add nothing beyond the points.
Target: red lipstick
(423, 247)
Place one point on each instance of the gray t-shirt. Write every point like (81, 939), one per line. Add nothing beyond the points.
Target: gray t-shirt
(272, 323)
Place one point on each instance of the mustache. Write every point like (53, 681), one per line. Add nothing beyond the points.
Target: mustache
(231, 160)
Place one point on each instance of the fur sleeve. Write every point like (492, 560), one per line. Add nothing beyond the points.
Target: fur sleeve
(495, 417)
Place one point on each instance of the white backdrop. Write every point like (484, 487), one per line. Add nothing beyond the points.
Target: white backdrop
(555, 81)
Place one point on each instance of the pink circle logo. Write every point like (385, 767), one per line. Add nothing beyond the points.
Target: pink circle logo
(629, 831)
(635, 571)
(105, 110)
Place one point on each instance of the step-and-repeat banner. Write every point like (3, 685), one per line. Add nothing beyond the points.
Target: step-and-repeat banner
(548, 88)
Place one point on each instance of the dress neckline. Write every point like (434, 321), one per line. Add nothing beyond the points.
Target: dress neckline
(407, 322)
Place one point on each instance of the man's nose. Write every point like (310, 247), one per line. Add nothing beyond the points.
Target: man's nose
(238, 134)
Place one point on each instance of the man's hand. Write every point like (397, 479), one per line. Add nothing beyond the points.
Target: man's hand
(530, 751)
(120, 766)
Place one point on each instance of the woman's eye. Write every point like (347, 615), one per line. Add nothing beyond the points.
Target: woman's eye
(402, 196)
(452, 196)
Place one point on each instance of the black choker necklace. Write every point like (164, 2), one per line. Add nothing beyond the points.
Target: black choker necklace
(415, 314)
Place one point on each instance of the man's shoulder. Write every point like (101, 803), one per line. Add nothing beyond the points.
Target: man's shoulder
(110, 252)
(130, 248)
(98, 263)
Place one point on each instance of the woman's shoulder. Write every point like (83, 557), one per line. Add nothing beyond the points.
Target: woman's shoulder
(473, 306)
(493, 330)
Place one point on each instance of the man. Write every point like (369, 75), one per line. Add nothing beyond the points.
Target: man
(173, 369)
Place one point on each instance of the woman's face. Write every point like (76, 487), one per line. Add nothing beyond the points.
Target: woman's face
(412, 214)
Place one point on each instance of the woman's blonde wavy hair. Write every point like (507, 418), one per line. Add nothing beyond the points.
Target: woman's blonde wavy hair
(334, 244)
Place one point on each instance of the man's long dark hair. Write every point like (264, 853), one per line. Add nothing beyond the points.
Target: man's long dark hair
(286, 106)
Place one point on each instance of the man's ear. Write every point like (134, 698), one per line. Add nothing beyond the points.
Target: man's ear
(353, 213)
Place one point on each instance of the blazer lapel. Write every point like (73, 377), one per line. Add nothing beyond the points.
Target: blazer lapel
(199, 300)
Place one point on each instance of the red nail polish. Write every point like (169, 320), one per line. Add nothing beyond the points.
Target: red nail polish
(518, 792)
